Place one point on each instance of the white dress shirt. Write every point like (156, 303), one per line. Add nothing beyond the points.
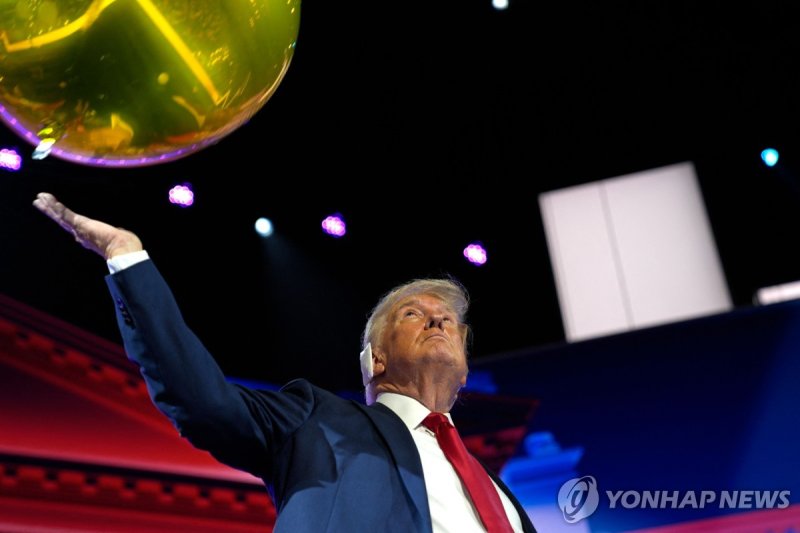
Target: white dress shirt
(123, 261)
(451, 508)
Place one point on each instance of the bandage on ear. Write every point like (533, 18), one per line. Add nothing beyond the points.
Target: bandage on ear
(367, 370)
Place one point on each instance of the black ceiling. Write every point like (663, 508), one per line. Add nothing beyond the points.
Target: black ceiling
(429, 126)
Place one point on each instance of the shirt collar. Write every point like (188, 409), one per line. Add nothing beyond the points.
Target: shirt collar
(410, 410)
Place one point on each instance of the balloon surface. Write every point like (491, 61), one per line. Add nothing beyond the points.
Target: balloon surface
(138, 82)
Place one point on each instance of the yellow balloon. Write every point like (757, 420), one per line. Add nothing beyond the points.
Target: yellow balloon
(139, 82)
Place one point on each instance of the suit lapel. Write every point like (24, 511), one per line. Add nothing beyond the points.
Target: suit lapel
(527, 525)
(400, 443)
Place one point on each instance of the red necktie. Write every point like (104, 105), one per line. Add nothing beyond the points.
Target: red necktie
(477, 482)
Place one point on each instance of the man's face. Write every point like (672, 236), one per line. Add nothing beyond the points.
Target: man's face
(422, 335)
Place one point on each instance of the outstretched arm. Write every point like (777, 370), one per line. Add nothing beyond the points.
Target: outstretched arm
(99, 237)
(238, 425)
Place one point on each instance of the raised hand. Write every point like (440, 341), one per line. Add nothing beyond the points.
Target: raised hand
(103, 239)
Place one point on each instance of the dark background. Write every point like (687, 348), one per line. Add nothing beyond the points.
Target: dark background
(429, 126)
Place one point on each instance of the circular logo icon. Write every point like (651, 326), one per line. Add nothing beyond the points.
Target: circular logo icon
(578, 498)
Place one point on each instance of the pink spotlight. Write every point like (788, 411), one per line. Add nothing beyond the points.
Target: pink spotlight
(475, 254)
(182, 195)
(10, 159)
(334, 225)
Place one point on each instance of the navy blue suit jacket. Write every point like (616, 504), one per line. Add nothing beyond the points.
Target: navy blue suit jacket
(330, 464)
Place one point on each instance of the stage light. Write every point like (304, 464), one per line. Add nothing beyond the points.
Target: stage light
(181, 195)
(334, 225)
(500, 4)
(10, 159)
(770, 156)
(264, 227)
(475, 254)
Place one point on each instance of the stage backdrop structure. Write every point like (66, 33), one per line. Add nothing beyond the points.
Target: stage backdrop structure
(633, 251)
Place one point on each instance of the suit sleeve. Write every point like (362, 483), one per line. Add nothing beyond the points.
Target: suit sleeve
(241, 427)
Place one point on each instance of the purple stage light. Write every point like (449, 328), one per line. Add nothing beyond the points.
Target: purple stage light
(334, 225)
(475, 254)
(10, 159)
(181, 195)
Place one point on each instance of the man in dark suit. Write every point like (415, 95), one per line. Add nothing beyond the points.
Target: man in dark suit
(330, 464)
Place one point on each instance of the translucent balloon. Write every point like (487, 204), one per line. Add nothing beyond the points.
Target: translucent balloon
(139, 82)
